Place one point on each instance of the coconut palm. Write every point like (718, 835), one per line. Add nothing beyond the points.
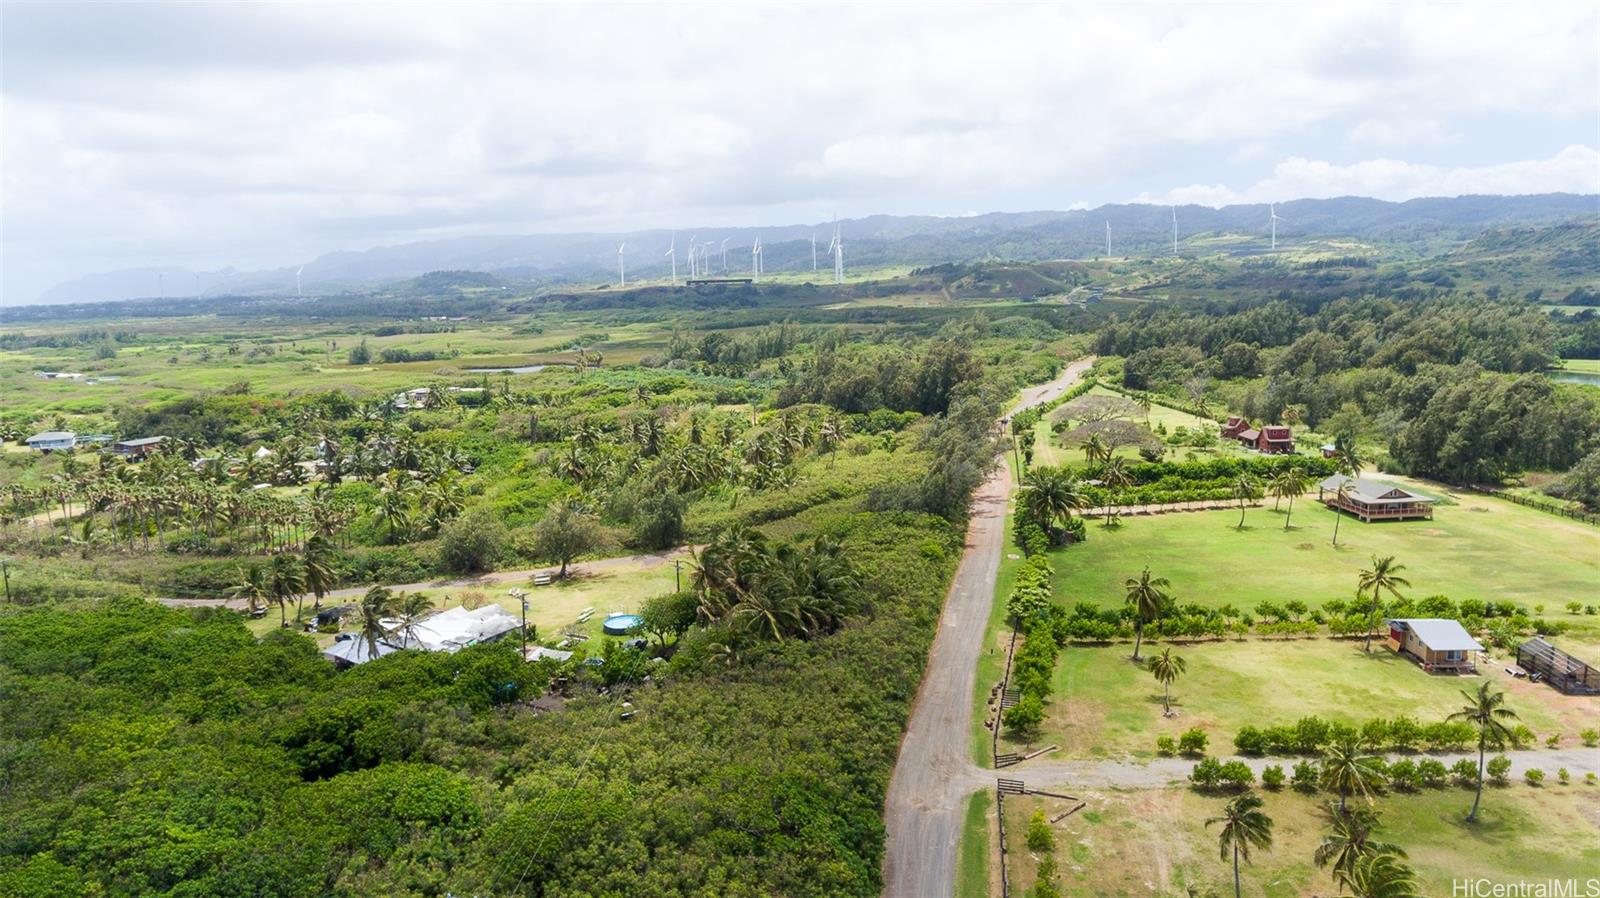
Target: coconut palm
(1383, 576)
(1095, 449)
(377, 605)
(1050, 495)
(252, 587)
(1244, 826)
(317, 562)
(285, 580)
(1487, 713)
(1341, 495)
(1245, 488)
(1289, 483)
(1349, 458)
(1350, 839)
(1147, 598)
(1167, 667)
(1348, 769)
(409, 609)
(1116, 478)
(1381, 875)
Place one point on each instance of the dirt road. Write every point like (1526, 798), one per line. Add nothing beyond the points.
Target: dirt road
(934, 774)
(496, 578)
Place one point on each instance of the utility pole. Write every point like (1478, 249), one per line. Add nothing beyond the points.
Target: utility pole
(5, 571)
(677, 576)
(522, 598)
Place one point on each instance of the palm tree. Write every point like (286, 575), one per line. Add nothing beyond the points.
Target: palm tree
(1341, 495)
(1381, 875)
(1148, 598)
(285, 580)
(1350, 461)
(1116, 478)
(1244, 489)
(1050, 494)
(1350, 839)
(1244, 826)
(317, 561)
(410, 609)
(1167, 667)
(377, 605)
(1487, 712)
(1144, 402)
(1348, 770)
(1094, 449)
(1383, 576)
(1289, 483)
(252, 587)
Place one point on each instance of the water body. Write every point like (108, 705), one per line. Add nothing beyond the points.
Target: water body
(1575, 377)
(513, 369)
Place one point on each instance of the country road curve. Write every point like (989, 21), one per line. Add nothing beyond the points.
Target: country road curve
(933, 776)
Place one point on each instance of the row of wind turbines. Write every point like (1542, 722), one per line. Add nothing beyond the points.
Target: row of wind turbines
(1272, 222)
(702, 254)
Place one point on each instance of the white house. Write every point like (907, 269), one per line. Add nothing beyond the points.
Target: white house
(52, 440)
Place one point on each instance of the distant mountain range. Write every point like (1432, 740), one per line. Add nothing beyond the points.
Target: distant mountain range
(1136, 229)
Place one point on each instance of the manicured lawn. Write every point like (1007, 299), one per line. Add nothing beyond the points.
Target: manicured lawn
(1105, 706)
(1481, 548)
(1156, 842)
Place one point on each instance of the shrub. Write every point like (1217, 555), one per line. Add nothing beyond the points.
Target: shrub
(1193, 742)
(1563, 776)
(1025, 716)
(1040, 837)
(1237, 775)
(1304, 778)
(1553, 740)
(1589, 778)
(1165, 745)
(1272, 777)
(1521, 736)
(1405, 733)
(1250, 741)
(1403, 775)
(1590, 737)
(1499, 766)
(1206, 774)
(472, 542)
(1432, 772)
(1465, 772)
(1534, 776)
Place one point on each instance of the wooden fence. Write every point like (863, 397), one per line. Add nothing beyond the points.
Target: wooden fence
(1587, 518)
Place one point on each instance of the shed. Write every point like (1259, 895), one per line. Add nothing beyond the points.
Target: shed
(1544, 661)
(137, 448)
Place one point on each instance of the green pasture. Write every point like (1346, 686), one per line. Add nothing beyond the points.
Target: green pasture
(1480, 548)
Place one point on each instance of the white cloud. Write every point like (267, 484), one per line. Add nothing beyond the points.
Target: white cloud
(252, 134)
(1575, 169)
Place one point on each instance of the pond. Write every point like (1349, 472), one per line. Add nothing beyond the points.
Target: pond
(1575, 377)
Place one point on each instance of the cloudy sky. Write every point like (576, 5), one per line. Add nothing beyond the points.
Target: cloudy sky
(256, 135)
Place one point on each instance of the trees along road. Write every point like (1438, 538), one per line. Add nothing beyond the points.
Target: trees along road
(934, 775)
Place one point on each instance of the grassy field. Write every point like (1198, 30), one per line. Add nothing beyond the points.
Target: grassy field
(1480, 548)
(1048, 448)
(552, 609)
(1156, 842)
(1585, 366)
(1105, 706)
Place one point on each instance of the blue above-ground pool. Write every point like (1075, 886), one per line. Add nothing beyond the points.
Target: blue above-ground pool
(621, 624)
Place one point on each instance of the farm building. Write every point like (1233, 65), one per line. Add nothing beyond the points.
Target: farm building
(1544, 662)
(1437, 644)
(1235, 426)
(137, 448)
(450, 630)
(1275, 439)
(1371, 500)
(53, 440)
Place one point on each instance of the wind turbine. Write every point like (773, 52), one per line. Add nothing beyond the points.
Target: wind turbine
(837, 246)
(813, 250)
(297, 280)
(724, 255)
(1272, 209)
(1174, 230)
(1108, 238)
(755, 260)
(622, 270)
(672, 252)
(693, 268)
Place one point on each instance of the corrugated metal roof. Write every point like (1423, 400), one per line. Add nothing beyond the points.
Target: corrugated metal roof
(1441, 634)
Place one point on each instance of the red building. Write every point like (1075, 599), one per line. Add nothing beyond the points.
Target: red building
(1235, 426)
(1275, 439)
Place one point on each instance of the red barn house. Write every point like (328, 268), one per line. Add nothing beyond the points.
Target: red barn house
(1275, 439)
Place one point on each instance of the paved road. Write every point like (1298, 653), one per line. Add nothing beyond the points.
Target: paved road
(650, 560)
(926, 803)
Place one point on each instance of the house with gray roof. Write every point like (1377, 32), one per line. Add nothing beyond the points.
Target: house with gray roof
(1438, 644)
(1373, 500)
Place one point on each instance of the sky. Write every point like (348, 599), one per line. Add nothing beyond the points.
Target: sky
(206, 135)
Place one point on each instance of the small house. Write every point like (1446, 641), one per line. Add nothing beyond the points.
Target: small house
(1235, 426)
(1438, 644)
(137, 448)
(1329, 450)
(1371, 500)
(53, 441)
(1275, 439)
